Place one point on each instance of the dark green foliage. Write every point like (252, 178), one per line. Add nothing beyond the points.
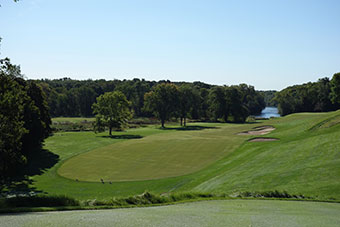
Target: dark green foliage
(148, 198)
(67, 97)
(253, 100)
(134, 90)
(163, 101)
(11, 119)
(24, 118)
(218, 104)
(36, 116)
(310, 97)
(188, 99)
(269, 97)
(335, 93)
(86, 97)
(272, 194)
(112, 111)
(38, 201)
(237, 107)
(234, 103)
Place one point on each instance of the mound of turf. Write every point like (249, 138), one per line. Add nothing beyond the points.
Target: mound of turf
(302, 161)
(175, 153)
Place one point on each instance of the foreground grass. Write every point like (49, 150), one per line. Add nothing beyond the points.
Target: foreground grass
(208, 213)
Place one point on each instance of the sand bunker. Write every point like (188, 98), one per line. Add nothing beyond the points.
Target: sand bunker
(262, 139)
(261, 130)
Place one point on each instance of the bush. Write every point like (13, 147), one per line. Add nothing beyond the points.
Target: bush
(38, 201)
(271, 194)
(148, 198)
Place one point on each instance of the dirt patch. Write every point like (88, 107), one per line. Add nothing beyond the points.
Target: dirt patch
(262, 139)
(261, 130)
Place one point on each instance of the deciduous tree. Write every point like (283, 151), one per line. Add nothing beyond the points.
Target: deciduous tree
(112, 111)
(162, 101)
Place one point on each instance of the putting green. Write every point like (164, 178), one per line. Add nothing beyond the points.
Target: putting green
(162, 155)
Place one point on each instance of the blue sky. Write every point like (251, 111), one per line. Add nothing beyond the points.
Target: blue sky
(268, 44)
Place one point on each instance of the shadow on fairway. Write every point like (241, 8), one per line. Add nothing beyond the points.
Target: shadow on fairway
(190, 128)
(123, 137)
(20, 183)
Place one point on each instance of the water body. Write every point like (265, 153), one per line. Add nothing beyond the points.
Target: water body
(269, 112)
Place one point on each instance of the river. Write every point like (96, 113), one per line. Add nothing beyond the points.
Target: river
(269, 112)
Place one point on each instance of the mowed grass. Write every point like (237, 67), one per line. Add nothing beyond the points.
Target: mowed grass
(305, 160)
(234, 213)
(161, 155)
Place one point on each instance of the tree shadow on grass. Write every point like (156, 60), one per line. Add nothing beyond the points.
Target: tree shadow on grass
(20, 183)
(190, 128)
(123, 137)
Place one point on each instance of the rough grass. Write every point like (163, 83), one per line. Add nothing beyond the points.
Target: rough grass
(73, 119)
(208, 213)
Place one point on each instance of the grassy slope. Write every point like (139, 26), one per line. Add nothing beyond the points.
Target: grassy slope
(209, 213)
(303, 161)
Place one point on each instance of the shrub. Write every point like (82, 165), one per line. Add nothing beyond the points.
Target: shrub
(38, 201)
(271, 194)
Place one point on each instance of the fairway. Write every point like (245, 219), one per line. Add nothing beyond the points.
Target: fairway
(175, 153)
(236, 213)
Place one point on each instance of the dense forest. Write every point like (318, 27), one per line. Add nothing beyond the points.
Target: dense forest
(197, 100)
(320, 96)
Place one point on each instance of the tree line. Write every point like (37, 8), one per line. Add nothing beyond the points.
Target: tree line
(197, 100)
(320, 96)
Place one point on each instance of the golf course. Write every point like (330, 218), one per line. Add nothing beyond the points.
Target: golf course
(221, 160)
(169, 113)
(203, 157)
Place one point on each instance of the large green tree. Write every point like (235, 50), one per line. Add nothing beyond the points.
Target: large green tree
(24, 117)
(11, 120)
(163, 101)
(112, 111)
